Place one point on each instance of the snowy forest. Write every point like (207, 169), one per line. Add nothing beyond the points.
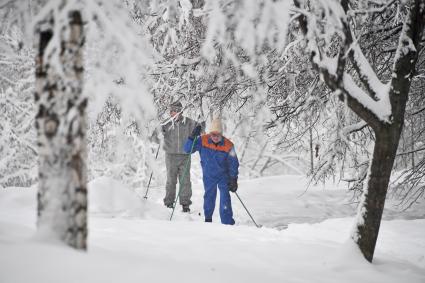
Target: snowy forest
(319, 106)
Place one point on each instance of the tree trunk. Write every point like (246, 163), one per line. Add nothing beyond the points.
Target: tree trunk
(61, 129)
(375, 191)
(412, 142)
(311, 149)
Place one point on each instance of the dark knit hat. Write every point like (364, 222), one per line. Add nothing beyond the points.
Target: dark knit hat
(176, 106)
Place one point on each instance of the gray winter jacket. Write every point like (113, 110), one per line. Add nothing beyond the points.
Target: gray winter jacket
(176, 133)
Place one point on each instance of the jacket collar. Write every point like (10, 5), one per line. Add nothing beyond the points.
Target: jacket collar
(219, 143)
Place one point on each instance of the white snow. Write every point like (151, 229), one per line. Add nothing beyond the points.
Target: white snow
(381, 108)
(367, 71)
(132, 240)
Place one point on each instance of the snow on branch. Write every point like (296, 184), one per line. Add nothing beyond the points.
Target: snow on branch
(117, 54)
(405, 49)
(380, 108)
(367, 74)
(252, 24)
(118, 58)
(321, 24)
(354, 127)
(284, 162)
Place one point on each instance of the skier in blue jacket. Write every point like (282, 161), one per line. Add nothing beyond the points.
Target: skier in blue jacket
(219, 167)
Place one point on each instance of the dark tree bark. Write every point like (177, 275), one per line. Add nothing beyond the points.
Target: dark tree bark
(375, 191)
(61, 130)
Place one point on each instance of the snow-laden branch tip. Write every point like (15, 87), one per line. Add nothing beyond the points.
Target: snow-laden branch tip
(284, 162)
(354, 128)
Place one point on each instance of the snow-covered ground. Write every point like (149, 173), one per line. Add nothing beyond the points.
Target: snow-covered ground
(303, 238)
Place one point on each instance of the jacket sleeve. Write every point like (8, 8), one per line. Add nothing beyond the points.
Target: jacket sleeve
(194, 123)
(203, 126)
(233, 163)
(188, 145)
(154, 137)
(155, 134)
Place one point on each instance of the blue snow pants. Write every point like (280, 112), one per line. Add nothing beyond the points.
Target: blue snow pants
(210, 195)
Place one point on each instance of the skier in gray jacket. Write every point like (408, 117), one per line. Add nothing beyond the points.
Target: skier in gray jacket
(175, 134)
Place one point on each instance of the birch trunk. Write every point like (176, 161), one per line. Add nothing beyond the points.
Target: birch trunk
(61, 130)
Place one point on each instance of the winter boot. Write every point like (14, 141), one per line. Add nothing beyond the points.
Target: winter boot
(208, 220)
(169, 205)
(186, 208)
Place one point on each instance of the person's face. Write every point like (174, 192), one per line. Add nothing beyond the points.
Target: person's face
(174, 113)
(215, 137)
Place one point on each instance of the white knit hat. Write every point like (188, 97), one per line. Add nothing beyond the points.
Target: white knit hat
(216, 126)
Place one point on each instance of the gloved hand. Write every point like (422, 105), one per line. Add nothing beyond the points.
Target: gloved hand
(233, 184)
(195, 132)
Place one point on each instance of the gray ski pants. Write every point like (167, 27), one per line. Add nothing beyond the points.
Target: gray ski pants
(176, 164)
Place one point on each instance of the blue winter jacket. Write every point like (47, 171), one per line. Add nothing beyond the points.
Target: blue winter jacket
(216, 160)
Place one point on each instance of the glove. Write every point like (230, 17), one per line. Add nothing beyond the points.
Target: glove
(196, 132)
(233, 185)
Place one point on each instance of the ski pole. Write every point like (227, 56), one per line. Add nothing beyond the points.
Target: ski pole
(150, 178)
(184, 175)
(258, 226)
